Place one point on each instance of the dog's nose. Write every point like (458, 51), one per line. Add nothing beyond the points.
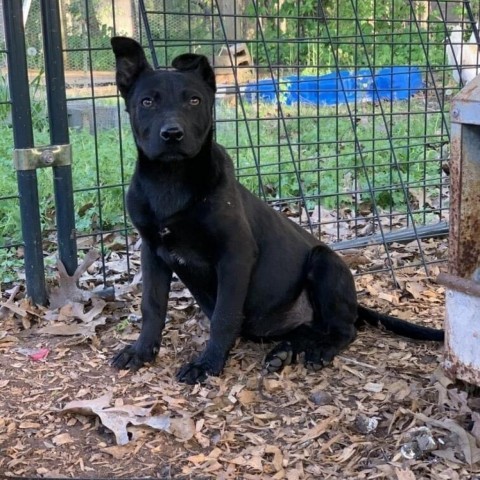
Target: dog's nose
(171, 133)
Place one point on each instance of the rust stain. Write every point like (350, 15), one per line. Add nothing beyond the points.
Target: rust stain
(470, 90)
(461, 327)
(463, 285)
(464, 241)
(455, 197)
(458, 370)
(454, 367)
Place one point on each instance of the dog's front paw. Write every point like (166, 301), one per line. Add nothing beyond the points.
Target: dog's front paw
(198, 370)
(134, 356)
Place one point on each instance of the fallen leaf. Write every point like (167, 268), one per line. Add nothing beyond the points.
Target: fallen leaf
(68, 289)
(415, 289)
(26, 425)
(373, 387)
(346, 453)
(388, 297)
(277, 461)
(86, 407)
(8, 339)
(4, 305)
(399, 390)
(246, 397)
(84, 329)
(62, 439)
(317, 430)
(183, 428)
(440, 376)
(272, 385)
(76, 311)
(404, 474)
(119, 452)
(118, 418)
(466, 441)
(197, 459)
(255, 462)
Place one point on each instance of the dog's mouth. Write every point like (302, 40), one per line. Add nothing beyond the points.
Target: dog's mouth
(168, 155)
(162, 152)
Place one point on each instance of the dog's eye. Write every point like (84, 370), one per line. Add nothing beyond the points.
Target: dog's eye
(147, 102)
(194, 101)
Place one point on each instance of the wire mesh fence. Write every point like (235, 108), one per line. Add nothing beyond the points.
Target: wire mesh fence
(336, 113)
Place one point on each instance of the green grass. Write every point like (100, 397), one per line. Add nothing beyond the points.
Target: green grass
(327, 152)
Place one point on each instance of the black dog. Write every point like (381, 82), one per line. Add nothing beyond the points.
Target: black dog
(252, 271)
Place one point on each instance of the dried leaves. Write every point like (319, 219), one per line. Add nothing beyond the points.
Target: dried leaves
(65, 323)
(68, 290)
(463, 442)
(347, 421)
(118, 418)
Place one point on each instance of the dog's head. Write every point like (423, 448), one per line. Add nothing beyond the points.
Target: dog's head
(170, 110)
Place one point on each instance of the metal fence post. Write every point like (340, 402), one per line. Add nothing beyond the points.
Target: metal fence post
(23, 139)
(462, 320)
(58, 118)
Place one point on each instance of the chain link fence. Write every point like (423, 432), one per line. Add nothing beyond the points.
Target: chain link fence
(336, 113)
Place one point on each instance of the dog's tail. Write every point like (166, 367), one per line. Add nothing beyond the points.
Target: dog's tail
(398, 326)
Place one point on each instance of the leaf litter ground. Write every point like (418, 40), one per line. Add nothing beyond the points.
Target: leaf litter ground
(384, 409)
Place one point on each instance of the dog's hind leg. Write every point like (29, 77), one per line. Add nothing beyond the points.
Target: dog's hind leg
(332, 294)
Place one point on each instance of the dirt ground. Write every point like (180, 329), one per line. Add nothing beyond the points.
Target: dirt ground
(384, 409)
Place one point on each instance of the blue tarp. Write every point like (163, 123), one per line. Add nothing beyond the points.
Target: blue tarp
(389, 83)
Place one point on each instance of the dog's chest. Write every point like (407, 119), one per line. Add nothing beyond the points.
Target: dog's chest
(183, 248)
(168, 201)
(171, 247)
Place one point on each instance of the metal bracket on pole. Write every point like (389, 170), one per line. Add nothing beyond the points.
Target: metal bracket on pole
(41, 157)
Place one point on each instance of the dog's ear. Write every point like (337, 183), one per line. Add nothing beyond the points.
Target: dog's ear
(196, 63)
(130, 62)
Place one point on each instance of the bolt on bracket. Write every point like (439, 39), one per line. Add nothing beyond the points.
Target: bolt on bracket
(41, 157)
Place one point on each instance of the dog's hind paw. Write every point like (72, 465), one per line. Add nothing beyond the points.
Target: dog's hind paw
(279, 357)
(132, 358)
(319, 357)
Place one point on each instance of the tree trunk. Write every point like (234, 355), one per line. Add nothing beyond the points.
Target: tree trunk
(230, 12)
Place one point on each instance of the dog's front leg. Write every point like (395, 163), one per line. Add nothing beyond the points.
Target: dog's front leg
(156, 278)
(233, 274)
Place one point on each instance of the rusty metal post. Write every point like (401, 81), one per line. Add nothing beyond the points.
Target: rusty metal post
(462, 322)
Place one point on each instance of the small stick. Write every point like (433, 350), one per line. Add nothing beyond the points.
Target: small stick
(356, 362)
